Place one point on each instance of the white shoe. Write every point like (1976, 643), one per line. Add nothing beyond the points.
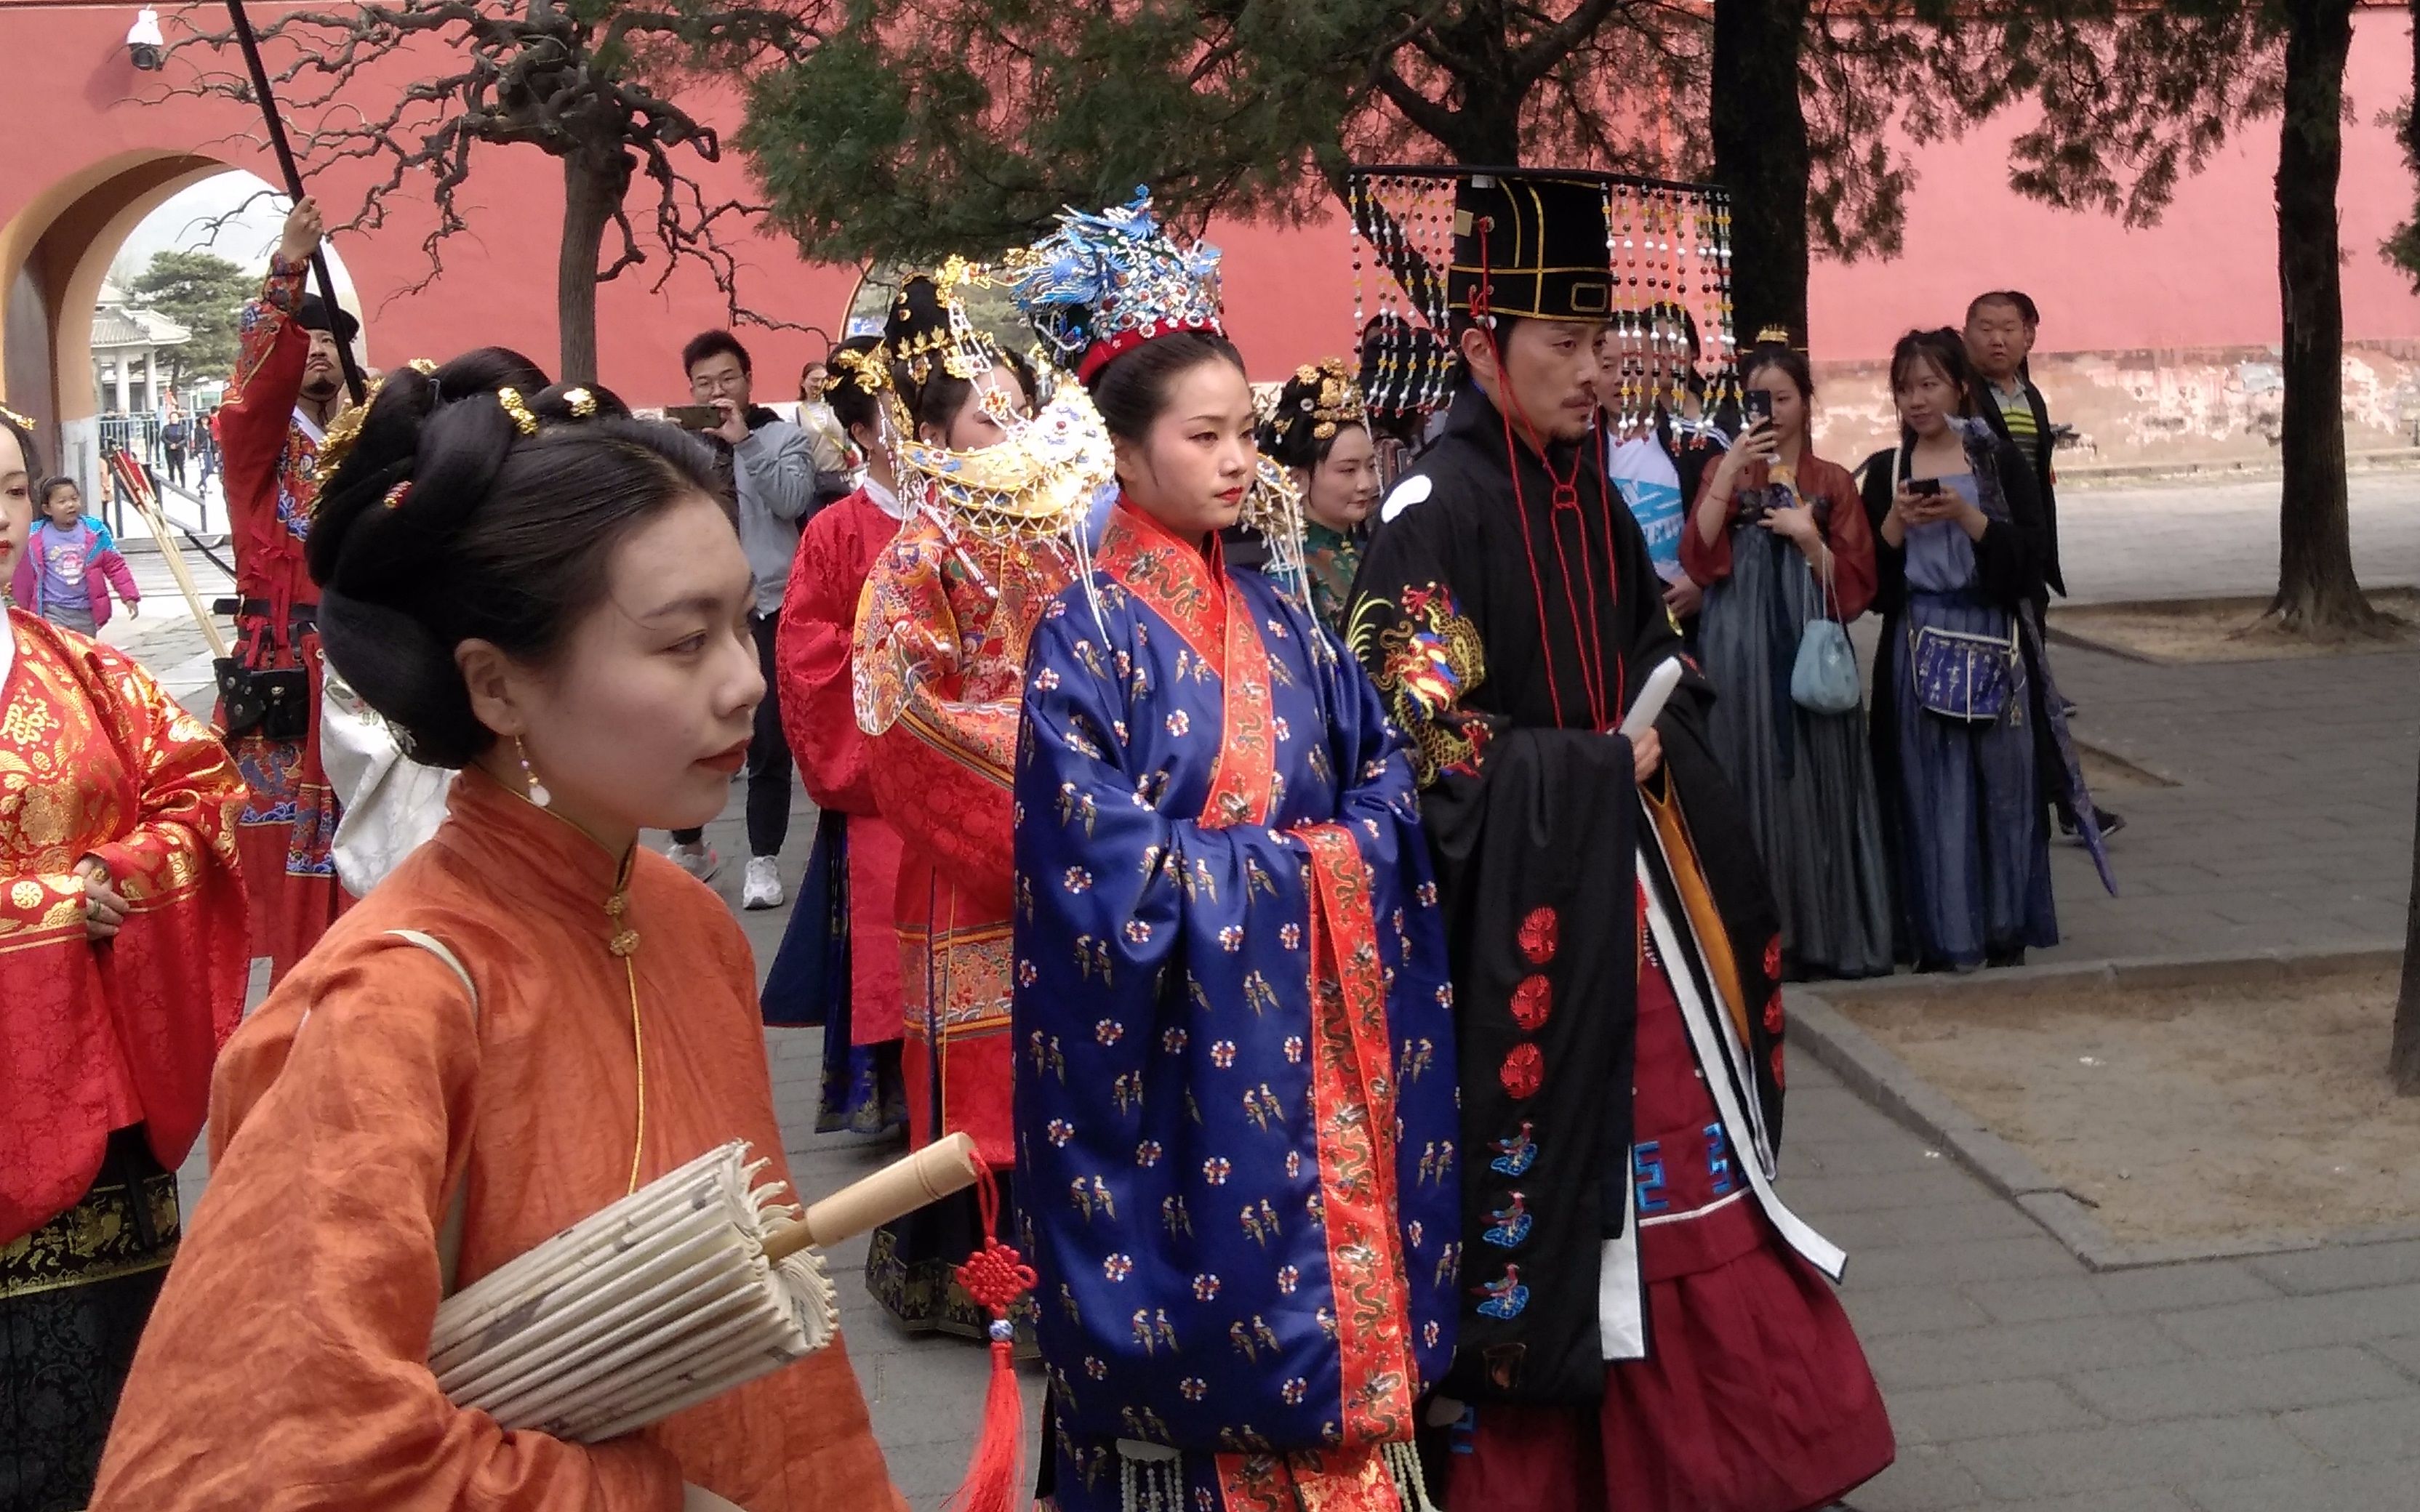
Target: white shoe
(762, 889)
(697, 859)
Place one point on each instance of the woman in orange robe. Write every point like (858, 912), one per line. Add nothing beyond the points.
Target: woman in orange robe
(561, 611)
(121, 972)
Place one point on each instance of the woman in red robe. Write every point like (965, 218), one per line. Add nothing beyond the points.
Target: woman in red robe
(939, 657)
(839, 962)
(121, 972)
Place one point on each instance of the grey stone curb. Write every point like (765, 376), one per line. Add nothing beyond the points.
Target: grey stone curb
(1819, 1029)
(2059, 635)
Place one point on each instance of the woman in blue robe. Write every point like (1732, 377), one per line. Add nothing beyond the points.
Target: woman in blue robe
(1961, 757)
(1234, 1084)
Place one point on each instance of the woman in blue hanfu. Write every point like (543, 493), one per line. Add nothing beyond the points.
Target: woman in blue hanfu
(1234, 1082)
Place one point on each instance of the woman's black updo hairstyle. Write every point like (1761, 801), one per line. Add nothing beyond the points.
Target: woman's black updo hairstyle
(1792, 361)
(1131, 390)
(1289, 437)
(25, 443)
(446, 523)
(1946, 350)
(917, 333)
(854, 405)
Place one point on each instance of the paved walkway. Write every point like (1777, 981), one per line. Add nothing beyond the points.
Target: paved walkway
(2017, 1379)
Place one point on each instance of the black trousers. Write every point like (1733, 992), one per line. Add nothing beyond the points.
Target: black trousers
(768, 758)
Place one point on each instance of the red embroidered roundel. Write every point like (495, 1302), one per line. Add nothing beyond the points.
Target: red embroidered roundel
(1523, 1070)
(1532, 1001)
(1538, 935)
(1773, 958)
(1772, 1012)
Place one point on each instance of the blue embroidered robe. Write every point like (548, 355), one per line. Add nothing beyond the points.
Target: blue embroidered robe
(1243, 1253)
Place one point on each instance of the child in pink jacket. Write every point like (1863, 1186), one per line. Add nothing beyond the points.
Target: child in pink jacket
(71, 563)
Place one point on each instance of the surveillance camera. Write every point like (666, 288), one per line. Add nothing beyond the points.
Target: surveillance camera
(144, 47)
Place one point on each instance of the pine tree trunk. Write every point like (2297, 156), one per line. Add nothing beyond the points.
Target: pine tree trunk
(591, 190)
(1759, 139)
(2404, 1059)
(2317, 591)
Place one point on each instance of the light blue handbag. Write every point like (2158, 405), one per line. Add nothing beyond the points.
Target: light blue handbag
(1823, 679)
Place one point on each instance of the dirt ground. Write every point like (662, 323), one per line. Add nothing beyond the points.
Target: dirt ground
(2223, 629)
(2257, 1109)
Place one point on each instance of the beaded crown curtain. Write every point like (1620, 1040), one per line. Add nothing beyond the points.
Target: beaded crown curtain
(1669, 245)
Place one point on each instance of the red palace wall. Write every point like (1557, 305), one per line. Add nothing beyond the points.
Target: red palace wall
(97, 144)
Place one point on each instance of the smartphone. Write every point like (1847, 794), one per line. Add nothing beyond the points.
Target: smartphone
(694, 416)
(1757, 405)
(1924, 487)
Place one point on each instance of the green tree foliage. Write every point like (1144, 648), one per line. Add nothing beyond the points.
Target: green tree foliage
(203, 293)
(2402, 249)
(926, 127)
(2131, 100)
(592, 83)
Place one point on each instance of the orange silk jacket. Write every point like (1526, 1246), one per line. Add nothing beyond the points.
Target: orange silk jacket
(285, 1363)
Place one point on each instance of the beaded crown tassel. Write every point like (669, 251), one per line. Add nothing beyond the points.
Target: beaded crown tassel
(1669, 247)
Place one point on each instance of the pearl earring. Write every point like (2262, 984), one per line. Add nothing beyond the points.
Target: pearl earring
(538, 792)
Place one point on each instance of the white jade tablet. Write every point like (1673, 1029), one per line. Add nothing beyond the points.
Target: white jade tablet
(1650, 703)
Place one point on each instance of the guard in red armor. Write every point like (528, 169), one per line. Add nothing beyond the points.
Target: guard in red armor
(287, 387)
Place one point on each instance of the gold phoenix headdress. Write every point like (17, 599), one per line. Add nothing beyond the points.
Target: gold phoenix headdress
(1037, 484)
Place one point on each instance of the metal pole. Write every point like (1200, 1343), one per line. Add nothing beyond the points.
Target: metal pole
(354, 384)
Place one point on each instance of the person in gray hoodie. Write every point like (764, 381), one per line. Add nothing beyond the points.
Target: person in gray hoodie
(775, 488)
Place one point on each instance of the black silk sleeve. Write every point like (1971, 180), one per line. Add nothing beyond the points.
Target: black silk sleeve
(1532, 831)
(2008, 554)
(1534, 863)
(1876, 486)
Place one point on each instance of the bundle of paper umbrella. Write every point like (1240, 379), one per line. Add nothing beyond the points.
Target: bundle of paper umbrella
(700, 1281)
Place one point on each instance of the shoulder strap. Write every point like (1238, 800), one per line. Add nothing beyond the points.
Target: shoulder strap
(449, 1233)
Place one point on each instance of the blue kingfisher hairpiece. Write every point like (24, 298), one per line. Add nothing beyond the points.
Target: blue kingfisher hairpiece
(1103, 285)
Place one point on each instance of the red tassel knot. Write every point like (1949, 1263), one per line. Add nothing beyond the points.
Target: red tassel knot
(996, 1275)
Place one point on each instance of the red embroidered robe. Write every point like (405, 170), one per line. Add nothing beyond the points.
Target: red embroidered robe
(939, 653)
(94, 760)
(272, 455)
(811, 657)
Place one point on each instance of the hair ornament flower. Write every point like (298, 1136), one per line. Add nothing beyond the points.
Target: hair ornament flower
(518, 409)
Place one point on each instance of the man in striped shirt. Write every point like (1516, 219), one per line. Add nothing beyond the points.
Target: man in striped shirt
(2000, 330)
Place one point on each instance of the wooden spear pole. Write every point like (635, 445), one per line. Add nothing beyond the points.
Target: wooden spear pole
(276, 124)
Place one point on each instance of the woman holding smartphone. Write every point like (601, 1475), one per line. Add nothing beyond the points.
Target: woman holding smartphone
(1959, 689)
(1780, 540)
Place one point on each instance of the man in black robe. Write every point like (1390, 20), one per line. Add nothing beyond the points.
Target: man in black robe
(1508, 611)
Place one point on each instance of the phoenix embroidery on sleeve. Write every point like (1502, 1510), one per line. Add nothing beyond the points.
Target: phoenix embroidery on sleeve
(1426, 658)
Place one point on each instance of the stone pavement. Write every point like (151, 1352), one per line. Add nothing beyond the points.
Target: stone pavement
(2019, 1380)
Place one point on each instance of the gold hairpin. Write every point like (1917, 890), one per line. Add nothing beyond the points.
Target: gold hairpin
(523, 421)
(582, 402)
(397, 495)
(1773, 336)
(336, 442)
(422, 366)
(12, 417)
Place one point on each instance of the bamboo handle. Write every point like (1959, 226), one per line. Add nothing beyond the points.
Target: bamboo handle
(897, 1190)
(138, 488)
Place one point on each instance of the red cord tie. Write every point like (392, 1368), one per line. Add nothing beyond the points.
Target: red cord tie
(1567, 495)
